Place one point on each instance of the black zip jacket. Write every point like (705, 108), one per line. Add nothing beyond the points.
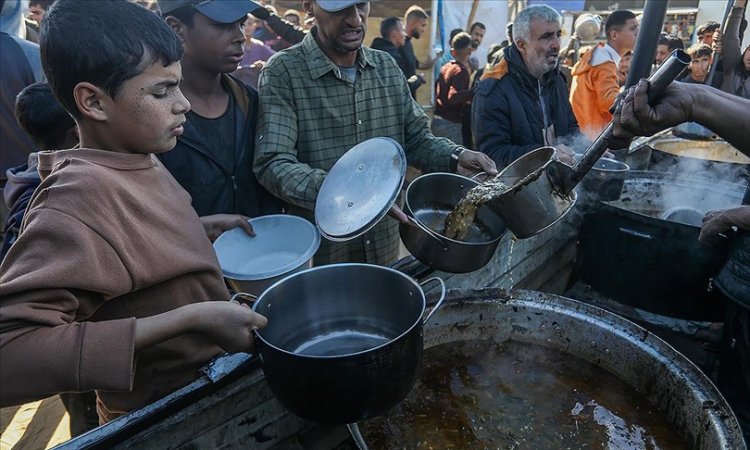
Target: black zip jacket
(511, 110)
(213, 188)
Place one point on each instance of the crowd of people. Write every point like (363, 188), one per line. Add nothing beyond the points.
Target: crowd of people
(188, 117)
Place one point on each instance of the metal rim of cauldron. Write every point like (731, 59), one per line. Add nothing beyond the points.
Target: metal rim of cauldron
(450, 250)
(346, 388)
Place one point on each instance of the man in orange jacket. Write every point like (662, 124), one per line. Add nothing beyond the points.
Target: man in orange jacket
(595, 86)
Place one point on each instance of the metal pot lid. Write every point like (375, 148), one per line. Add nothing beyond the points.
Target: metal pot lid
(360, 189)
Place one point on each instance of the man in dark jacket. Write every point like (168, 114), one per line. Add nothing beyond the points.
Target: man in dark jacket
(213, 157)
(393, 37)
(522, 102)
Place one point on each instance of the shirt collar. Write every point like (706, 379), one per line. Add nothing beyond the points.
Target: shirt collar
(614, 56)
(317, 61)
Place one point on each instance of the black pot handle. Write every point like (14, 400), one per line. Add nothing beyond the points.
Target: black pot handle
(242, 297)
(439, 303)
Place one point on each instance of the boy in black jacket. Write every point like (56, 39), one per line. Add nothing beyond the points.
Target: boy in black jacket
(213, 158)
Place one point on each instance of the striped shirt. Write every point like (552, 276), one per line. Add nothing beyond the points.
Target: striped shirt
(310, 114)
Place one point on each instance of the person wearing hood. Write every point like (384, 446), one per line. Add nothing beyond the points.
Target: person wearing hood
(736, 64)
(595, 86)
(522, 103)
(50, 127)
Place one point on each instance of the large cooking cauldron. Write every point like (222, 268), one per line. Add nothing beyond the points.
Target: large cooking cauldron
(344, 341)
(669, 381)
(629, 252)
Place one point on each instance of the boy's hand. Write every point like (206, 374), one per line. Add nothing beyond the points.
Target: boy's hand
(716, 44)
(229, 325)
(219, 223)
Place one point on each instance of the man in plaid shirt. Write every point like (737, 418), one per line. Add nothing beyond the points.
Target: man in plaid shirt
(325, 95)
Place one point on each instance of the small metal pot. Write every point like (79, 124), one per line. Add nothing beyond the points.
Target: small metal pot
(429, 200)
(343, 341)
(606, 178)
(533, 203)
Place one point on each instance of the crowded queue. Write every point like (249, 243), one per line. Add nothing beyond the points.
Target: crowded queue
(160, 125)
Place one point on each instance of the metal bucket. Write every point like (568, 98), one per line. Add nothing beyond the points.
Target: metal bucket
(533, 203)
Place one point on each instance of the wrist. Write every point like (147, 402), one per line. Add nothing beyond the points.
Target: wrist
(454, 158)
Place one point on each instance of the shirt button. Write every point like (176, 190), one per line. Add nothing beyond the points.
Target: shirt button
(368, 242)
(359, 122)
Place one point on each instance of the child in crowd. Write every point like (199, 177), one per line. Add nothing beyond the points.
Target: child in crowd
(51, 128)
(213, 158)
(113, 284)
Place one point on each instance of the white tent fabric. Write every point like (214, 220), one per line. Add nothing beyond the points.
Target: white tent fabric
(456, 13)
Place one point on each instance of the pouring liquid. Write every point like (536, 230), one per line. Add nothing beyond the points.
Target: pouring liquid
(463, 215)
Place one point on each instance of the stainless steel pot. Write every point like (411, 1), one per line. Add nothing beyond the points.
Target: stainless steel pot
(344, 341)
(606, 178)
(533, 203)
(429, 200)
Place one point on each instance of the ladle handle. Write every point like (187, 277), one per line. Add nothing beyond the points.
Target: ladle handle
(663, 77)
(440, 302)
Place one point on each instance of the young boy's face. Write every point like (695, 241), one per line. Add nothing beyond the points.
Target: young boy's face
(148, 112)
(213, 46)
(699, 67)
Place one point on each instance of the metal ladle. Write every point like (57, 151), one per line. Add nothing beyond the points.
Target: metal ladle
(566, 178)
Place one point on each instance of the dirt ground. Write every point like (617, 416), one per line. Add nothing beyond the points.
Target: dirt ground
(34, 426)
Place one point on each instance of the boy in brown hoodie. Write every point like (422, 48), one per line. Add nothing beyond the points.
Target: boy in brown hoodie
(110, 283)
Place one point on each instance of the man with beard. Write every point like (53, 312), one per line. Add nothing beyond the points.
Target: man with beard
(522, 103)
(416, 23)
(595, 86)
(328, 94)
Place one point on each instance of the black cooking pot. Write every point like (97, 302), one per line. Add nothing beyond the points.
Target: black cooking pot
(429, 200)
(344, 341)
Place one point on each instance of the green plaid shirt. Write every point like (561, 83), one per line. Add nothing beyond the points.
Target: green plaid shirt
(310, 115)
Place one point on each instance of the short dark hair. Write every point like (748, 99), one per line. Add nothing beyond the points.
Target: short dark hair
(42, 117)
(104, 42)
(461, 41)
(617, 20)
(708, 27)
(675, 43)
(388, 25)
(455, 32)
(477, 25)
(44, 4)
(699, 51)
(415, 12)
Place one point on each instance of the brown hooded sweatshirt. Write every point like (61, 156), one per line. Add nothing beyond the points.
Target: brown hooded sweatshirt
(107, 238)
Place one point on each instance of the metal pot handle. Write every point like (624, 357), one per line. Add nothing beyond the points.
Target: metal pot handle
(440, 302)
(443, 242)
(241, 297)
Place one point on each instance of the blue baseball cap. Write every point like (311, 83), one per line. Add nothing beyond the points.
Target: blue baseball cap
(338, 5)
(222, 11)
